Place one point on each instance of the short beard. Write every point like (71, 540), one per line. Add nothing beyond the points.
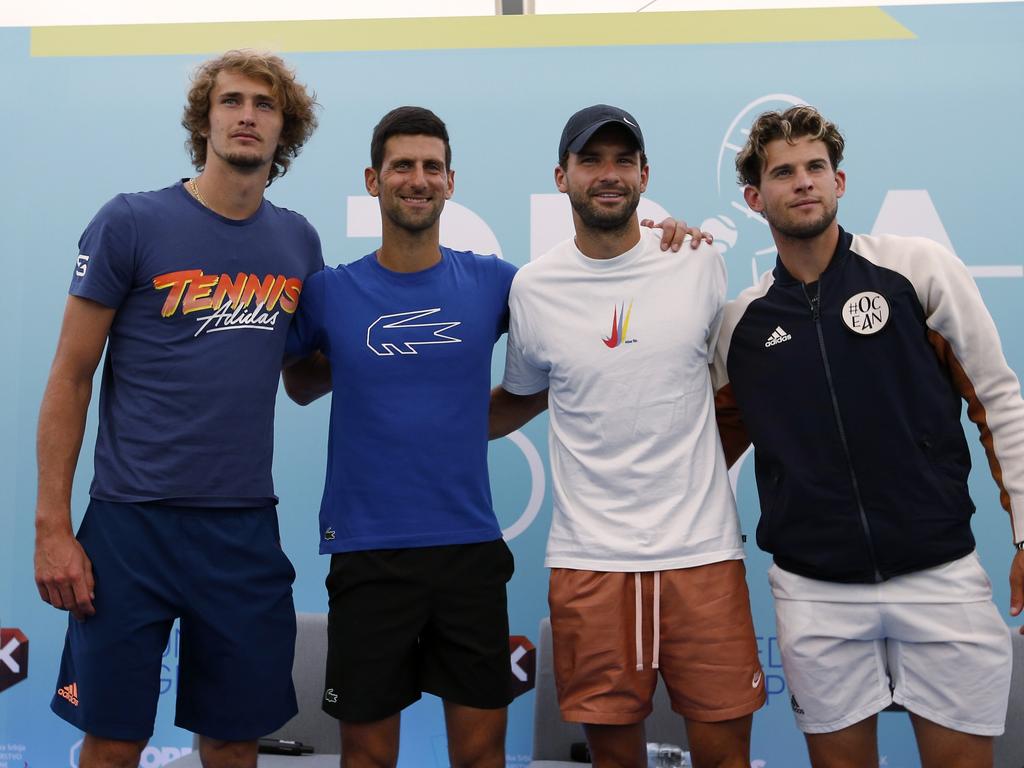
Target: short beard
(410, 224)
(604, 221)
(811, 229)
(244, 161)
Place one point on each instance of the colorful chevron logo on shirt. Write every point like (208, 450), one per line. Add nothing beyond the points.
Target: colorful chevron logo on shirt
(620, 325)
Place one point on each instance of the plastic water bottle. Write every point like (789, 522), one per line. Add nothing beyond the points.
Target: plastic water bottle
(667, 756)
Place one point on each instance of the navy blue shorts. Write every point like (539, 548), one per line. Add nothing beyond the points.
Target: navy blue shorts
(222, 571)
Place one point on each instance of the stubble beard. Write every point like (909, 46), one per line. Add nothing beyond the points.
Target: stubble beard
(807, 230)
(602, 220)
(245, 161)
(412, 224)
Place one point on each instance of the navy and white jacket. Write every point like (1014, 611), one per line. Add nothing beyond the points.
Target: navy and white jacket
(850, 389)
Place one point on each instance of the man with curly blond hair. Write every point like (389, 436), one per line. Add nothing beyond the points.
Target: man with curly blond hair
(296, 104)
(181, 285)
(847, 367)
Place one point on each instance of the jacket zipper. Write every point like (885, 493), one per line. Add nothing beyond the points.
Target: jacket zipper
(815, 305)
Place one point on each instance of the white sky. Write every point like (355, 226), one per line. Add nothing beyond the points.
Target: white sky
(22, 13)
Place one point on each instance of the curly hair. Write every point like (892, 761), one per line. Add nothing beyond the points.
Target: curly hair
(296, 102)
(795, 123)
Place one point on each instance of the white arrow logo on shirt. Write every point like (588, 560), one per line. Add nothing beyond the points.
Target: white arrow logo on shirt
(399, 333)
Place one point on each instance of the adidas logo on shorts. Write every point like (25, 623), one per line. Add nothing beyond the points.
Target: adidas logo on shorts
(778, 336)
(796, 707)
(69, 692)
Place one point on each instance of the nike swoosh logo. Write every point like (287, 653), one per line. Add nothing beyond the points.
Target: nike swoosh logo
(757, 680)
(627, 122)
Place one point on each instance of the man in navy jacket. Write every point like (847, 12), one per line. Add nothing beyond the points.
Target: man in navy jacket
(845, 367)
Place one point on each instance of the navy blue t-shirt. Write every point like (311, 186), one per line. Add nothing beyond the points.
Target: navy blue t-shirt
(410, 358)
(194, 354)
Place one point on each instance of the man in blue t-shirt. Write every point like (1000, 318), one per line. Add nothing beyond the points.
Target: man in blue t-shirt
(418, 565)
(191, 289)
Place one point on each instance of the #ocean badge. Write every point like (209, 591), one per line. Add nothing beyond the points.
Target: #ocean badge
(866, 313)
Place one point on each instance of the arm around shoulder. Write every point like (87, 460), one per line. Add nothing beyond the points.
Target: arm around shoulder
(509, 412)
(308, 378)
(731, 429)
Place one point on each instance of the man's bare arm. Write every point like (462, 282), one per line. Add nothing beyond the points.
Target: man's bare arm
(1017, 586)
(509, 412)
(731, 429)
(63, 571)
(307, 379)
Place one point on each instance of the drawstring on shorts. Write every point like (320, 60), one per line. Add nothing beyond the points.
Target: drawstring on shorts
(639, 605)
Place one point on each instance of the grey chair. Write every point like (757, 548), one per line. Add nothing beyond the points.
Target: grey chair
(553, 737)
(1009, 748)
(310, 726)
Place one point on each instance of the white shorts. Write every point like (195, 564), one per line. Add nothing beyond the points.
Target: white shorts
(844, 661)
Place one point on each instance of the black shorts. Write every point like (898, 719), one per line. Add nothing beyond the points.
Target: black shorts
(405, 621)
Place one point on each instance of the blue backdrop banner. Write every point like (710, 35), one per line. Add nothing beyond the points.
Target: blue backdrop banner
(928, 97)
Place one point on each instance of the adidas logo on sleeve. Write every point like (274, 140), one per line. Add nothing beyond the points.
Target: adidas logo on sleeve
(778, 336)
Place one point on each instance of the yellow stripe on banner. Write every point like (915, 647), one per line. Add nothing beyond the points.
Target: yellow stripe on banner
(675, 28)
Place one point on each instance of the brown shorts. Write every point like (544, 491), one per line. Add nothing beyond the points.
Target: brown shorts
(606, 672)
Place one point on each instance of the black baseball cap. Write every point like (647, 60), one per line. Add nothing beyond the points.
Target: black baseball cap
(587, 122)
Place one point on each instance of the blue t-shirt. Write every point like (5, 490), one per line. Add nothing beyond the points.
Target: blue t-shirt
(410, 358)
(194, 354)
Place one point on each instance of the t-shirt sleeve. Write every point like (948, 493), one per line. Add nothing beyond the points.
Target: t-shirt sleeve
(306, 330)
(105, 268)
(316, 251)
(524, 374)
(719, 283)
(506, 273)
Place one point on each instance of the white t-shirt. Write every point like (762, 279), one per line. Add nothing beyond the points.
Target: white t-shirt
(623, 344)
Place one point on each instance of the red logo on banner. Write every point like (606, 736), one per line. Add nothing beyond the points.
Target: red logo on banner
(13, 657)
(524, 664)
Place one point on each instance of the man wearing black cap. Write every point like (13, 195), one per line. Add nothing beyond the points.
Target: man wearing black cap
(645, 548)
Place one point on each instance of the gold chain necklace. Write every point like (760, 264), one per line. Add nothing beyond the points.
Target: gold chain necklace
(194, 189)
